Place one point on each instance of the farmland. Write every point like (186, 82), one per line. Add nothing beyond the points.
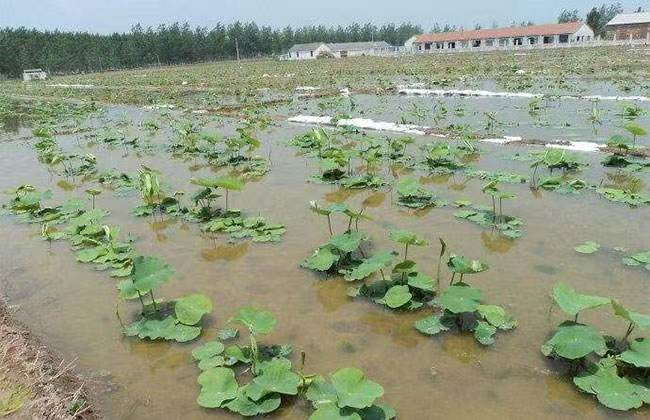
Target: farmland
(368, 237)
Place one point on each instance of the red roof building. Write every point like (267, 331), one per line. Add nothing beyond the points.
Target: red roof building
(555, 33)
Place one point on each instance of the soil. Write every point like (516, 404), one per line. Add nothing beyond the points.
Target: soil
(35, 383)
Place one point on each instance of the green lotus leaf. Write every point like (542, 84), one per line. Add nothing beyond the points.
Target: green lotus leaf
(354, 389)
(461, 298)
(611, 390)
(573, 303)
(347, 242)
(149, 272)
(431, 325)
(87, 255)
(421, 281)
(190, 309)
(212, 362)
(371, 266)
(208, 350)
(166, 329)
(642, 257)
(258, 322)
(497, 317)
(218, 386)
(463, 265)
(575, 341)
(588, 247)
(484, 333)
(322, 260)
(249, 408)
(638, 354)
(227, 334)
(640, 320)
(397, 296)
(330, 411)
(321, 392)
(236, 354)
(407, 238)
(277, 377)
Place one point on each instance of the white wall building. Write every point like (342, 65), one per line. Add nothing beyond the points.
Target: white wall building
(34, 74)
(339, 50)
(504, 38)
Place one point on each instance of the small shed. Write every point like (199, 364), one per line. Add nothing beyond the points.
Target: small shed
(34, 74)
(630, 26)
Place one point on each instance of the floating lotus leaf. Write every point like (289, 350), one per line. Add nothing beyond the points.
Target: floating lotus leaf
(149, 272)
(249, 408)
(354, 390)
(638, 354)
(407, 238)
(640, 320)
(213, 362)
(321, 392)
(166, 329)
(277, 377)
(588, 247)
(575, 341)
(397, 296)
(227, 334)
(208, 350)
(573, 303)
(421, 281)
(431, 325)
(461, 298)
(258, 322)
(371, 266)
(218, 385)
(322, 260)
(190, 309)
(497, 317)
(463, 265)
(611, 390)
(236, 354)
(347, 242)
(330, 411)
(484, 333)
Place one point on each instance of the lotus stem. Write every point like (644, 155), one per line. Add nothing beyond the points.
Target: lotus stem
(452, 278)
(329, 224)
(153, 300)
(406, 252)
(630, 328)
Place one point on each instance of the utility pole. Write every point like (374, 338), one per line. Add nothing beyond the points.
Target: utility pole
(237, 47)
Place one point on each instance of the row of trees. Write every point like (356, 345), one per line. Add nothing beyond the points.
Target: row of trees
(597, 18)
(57, 51)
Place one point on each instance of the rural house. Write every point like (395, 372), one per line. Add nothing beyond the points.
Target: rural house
(34, 74)
(630, 26)
(339, 50)
(503, 38)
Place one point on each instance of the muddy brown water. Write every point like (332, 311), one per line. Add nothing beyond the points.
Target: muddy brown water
(450, 376)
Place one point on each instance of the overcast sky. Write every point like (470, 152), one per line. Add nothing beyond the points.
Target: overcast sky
(119, 15)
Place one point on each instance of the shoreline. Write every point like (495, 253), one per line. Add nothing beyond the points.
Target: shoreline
(35, 382)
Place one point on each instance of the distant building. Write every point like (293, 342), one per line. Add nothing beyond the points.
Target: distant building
(34, 74)
(340, 50)
(503, 38)
(630, 26)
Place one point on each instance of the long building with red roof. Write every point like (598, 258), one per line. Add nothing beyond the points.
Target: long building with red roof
(549, 34)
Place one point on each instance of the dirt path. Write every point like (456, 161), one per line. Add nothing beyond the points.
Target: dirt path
(34, 382)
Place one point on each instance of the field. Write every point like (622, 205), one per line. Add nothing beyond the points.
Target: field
(455, 236)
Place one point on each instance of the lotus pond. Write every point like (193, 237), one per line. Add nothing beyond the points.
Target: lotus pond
(203, 264)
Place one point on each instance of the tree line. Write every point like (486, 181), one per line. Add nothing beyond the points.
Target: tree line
(70, 52)
(597, 18)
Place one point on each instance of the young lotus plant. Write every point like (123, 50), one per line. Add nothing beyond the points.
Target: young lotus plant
(613, 370)
(635, 130)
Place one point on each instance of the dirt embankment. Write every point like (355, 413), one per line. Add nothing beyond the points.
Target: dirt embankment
(34, 382)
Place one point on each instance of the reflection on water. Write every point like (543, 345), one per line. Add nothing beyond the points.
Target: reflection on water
(462, 347)
(225, 252)
(374, 200)
(397, 327)
(563, 391)
(340, 195)
(332, 293)
(65, 185)
(496, 242)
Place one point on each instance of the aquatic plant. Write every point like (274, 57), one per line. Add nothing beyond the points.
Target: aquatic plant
(635, 130)
(613, 370)
(413, 195)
